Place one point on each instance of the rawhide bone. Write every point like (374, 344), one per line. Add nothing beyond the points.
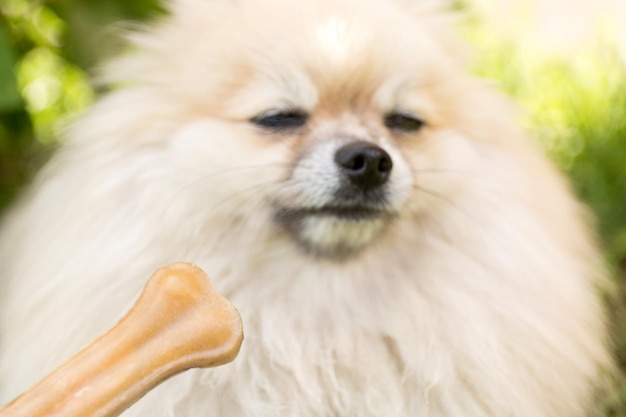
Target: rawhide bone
(177, 323)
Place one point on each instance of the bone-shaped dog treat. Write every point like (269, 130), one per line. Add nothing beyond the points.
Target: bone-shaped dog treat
(177, 323)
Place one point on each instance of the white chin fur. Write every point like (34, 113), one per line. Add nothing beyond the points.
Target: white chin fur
(332, 236)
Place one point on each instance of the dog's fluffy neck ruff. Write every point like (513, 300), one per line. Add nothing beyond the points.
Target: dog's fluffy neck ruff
(359, 338)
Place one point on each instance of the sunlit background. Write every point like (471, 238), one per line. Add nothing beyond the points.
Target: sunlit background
(562, 60)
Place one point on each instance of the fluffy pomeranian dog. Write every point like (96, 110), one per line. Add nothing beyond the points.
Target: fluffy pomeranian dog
(394, 244)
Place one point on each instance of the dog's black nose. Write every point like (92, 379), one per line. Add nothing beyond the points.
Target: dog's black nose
(365, 164)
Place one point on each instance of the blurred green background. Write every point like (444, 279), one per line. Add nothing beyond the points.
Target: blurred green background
(573, 95)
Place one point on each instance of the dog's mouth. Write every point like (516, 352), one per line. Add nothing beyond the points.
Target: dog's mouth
(353, 213)
(336, 232)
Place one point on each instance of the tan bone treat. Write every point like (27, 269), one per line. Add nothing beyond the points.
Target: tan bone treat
(179, 322)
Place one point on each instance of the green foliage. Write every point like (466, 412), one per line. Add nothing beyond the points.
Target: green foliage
(39, 89)
(10, 98)
(52, 87)
(46, 51)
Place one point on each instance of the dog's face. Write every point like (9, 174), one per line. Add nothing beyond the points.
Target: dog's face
(345, 110)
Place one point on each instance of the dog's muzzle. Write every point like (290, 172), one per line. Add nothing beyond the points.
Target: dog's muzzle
(341, 200)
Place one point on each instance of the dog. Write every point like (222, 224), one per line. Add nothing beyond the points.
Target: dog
(394, 243)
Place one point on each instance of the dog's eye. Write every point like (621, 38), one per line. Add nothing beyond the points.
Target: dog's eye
(403, 122)
(281, 119)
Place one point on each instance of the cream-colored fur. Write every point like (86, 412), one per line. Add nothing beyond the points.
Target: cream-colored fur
(478, 296)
